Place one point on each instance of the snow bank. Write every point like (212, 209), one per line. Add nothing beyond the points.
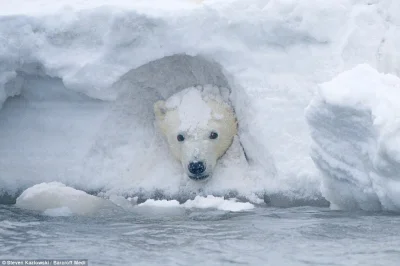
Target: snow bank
(199, 202)
(62, 60)
(355, 126)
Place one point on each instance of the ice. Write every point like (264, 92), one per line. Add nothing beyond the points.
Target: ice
(159, 203)
(218, 203)
(62, 211)
(78, 80)
(355, 126)
(199, 202)
(57, 199)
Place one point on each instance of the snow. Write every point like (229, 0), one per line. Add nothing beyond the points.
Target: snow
(218, 203)
(56, 199)
(355, 122)
(78, 80)
(191, 101)
(199, 202)
(159, 203)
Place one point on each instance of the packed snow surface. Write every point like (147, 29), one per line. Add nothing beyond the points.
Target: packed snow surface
(78, 80)
(355, 125)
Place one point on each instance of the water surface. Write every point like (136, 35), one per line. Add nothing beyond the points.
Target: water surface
(177, 236)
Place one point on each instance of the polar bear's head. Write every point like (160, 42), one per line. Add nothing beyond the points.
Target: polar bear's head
(199, 127)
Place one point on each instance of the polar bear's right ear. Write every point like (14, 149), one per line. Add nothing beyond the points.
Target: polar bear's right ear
(160, 110)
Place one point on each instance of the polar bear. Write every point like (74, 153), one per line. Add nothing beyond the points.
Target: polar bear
(199, 126)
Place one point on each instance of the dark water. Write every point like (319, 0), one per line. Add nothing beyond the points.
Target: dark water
(176, 236)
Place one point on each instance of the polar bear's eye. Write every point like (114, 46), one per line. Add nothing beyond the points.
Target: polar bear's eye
(180, 137)
(213, 135)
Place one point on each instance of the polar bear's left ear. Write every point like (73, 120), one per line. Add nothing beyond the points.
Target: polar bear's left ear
(160, 110)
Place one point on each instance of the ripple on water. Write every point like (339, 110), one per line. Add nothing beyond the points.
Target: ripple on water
(273, 236)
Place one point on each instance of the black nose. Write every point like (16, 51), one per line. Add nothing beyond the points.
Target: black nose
(196, 168)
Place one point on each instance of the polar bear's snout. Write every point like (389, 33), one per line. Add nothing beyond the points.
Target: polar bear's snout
(196, 168)
(197, 156)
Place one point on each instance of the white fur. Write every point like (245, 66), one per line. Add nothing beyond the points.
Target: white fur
(196, 112)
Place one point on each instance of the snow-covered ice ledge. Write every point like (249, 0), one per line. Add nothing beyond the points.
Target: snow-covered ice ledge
(272, 55)
(355, 126)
